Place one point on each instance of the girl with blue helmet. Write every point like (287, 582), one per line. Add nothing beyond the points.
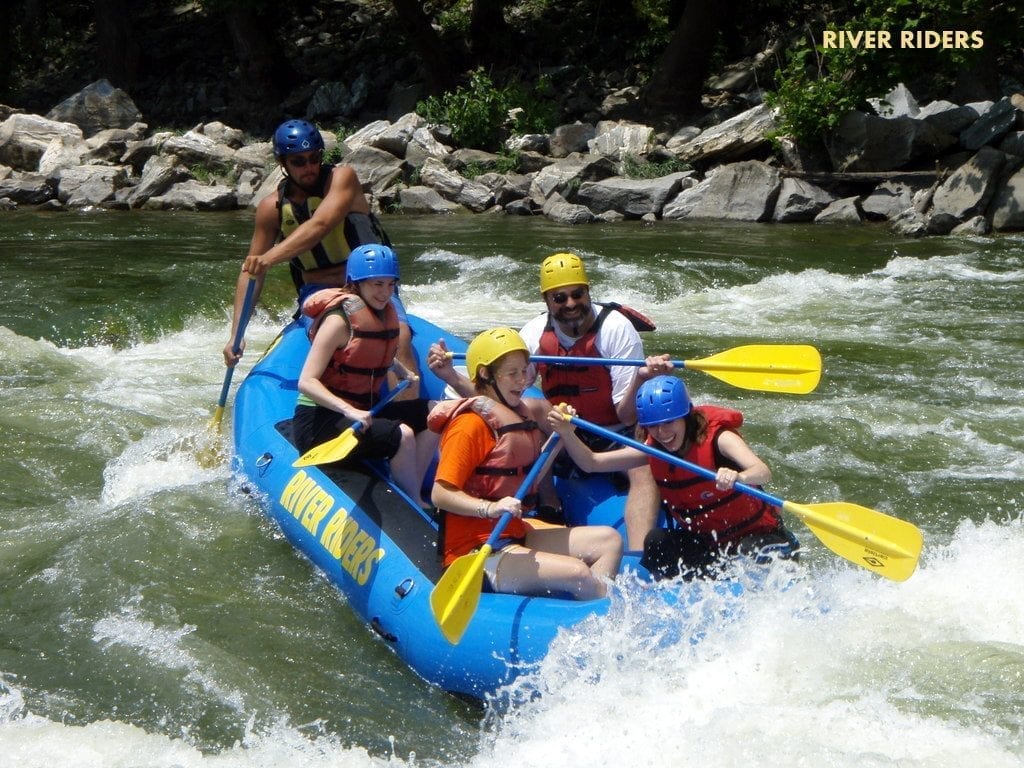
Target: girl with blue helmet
(708, 520)
(355, 339)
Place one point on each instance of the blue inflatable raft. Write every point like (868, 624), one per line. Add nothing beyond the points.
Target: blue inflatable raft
(379, 549)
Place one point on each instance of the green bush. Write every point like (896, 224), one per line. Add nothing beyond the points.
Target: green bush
(816, 86)
(635, 168)
(481, 115)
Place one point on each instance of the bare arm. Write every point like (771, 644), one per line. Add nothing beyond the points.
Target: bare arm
(332, 334)
(618, 460)
(655, 365)
(263, 236)
(753, 472)
(344, 194)
(451, 499)
(441, 364)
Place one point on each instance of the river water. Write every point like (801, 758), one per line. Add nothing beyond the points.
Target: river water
(151, 616)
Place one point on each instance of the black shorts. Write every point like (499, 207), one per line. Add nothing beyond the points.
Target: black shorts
(411, 412)
(313, 425)
(669, 552)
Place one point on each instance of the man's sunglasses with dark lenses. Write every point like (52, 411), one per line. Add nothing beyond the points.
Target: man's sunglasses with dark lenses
(561, 297)
(301, 161)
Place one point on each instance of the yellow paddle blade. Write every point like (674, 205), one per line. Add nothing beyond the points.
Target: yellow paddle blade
(790, 368)
(881, 543)
(218, 414)
(335, 449)
(454, 599)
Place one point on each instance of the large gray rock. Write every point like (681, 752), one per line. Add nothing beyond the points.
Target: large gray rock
(864, 142)
(887, 200)
(621, 139)
(843, 211)
(557, 208)
(1007, 208)
(733, 138)
(452, 186)
(196, 149)
(744, 191)
(193, 196)
(573, 137)
(24, 139)
(27, 188)
(947, 116)
(968, 190)
(377, 170)
(421, 199)
(158, 175)
(88, 185)
(800, 200)
(632, 197)
(97, 106)
(991, 126)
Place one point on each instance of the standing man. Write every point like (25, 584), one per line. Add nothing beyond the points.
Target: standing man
(318, 215)
(573, 326)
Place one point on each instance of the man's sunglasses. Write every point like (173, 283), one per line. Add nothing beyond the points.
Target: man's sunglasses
(561, 297)
(301, 161)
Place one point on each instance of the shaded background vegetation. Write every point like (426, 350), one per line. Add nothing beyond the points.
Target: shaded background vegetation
(252, 63)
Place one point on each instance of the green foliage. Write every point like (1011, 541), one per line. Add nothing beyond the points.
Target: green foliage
(817, 86)
(482, 115)
(635, 168)
(211, 173)
(337, 153)
(507, 162)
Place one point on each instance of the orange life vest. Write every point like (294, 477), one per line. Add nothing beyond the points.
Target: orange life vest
(695, 504)
(358, 370)
(518, 441)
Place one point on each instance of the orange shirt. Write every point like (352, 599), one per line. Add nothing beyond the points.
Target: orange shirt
(465, 443)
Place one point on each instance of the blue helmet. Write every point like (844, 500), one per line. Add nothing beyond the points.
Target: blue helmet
(366, 261)
(661, 399)
(294, 136)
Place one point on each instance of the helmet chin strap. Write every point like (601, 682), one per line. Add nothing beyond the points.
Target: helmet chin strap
(493, 384)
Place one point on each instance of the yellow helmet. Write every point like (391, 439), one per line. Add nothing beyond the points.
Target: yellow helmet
(562, 269)
(491, 345)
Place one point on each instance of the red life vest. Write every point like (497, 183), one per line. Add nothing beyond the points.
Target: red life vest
(358, 370)
(695, 504)
(517, 446)
(587, 388)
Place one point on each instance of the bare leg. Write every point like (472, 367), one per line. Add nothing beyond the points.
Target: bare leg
(403, 467)
(642, 505)
(426, 449)
(573, 560)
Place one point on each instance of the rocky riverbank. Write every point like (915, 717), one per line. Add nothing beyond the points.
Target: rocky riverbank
(932, 169)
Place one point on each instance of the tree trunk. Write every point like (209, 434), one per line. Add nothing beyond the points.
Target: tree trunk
(116, 42)
(489, 36)
(425, 41)
(264, 75)
(677, 84)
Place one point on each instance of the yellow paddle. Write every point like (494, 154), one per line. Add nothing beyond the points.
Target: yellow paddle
(339, 447)
(790, 368)
(454, 599)
(873, 540)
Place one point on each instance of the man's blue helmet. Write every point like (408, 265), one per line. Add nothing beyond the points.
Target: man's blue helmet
(661, 399)
(366, 261)
(294, 136)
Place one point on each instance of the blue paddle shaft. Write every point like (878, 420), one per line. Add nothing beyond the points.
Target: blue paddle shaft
(650, 450)
(403, 384)
(531, 476)
(243, 321)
